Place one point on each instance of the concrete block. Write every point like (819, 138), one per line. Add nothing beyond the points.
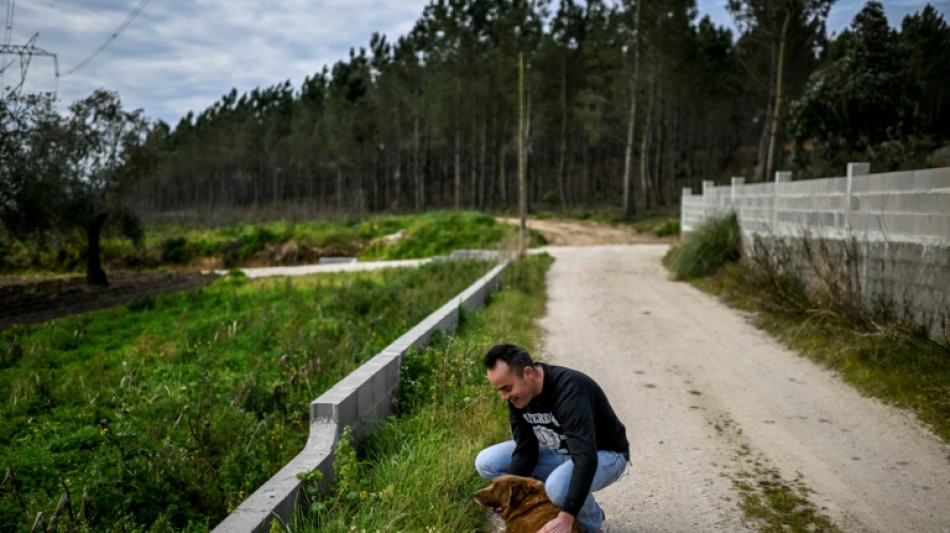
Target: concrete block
(910, 202)
(876, 182)
(943, 202)
(783, 176)
(925, 179)
(941, 228)
(923, 225)
(860, 184)
(901, 181)
(338, 404)
(858, 169)
(927, 203)
(892, 203)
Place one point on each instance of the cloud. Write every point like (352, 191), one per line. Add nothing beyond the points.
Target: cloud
(177, 57)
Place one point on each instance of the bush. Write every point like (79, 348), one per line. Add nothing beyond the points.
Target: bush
(710, 246)
(175, 250)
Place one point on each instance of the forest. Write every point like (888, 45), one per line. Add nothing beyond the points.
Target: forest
(623, 105)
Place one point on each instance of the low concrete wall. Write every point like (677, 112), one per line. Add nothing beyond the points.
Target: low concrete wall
(897, 222)
(361, 401)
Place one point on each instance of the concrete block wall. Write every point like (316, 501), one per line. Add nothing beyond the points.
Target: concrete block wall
(361, 400)
(898, 221)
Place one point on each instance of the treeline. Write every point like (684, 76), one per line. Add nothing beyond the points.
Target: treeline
(624, 104)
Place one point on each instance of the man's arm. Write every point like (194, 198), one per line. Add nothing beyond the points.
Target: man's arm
(525, 456)
(576, 413)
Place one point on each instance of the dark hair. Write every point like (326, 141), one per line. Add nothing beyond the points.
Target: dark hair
(514, 356)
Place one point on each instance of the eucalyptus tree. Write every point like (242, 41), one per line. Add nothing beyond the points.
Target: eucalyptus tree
(770, 25)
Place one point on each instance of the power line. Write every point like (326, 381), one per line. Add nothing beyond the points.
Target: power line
(128, 20)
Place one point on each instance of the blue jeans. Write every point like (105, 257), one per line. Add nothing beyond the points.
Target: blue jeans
(555, 470)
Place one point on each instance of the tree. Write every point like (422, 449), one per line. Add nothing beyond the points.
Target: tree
(859, 105)
(771, 23)
(62, 173)
(925, 38)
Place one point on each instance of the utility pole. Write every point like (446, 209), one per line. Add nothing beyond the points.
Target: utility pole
(522, 189)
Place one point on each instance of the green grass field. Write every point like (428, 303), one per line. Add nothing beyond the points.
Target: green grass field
(168, 411)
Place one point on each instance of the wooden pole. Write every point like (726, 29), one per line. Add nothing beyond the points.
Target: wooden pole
(522, 189)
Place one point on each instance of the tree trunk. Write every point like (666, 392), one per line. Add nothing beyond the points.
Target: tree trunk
(777, 105)
(644, 150)
(94, 273)
(458, 168)
(562, 146)
(629, 205)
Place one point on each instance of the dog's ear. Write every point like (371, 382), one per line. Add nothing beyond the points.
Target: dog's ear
(516, 493)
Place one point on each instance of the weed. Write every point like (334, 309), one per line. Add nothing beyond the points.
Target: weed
(712, 245)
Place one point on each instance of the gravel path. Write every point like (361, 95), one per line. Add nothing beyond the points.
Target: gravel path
(706, 396)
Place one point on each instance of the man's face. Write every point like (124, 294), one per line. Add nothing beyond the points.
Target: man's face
(518, 391)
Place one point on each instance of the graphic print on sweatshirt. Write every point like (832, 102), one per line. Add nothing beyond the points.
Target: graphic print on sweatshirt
(547, 430)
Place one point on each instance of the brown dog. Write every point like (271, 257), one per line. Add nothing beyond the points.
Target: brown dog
(524, 505)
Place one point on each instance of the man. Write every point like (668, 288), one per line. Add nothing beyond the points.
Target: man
(565, 434)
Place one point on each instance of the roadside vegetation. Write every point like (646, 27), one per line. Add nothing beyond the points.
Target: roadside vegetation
(416, 472)
(872, 349)
(164, 414)
(279, 242)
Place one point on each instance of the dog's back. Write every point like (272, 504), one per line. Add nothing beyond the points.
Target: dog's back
(524, 505)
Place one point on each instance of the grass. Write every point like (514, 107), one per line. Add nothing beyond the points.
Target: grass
(416, 473)
(776, 505)
(166, 413)
(715, 243)
(265, 243)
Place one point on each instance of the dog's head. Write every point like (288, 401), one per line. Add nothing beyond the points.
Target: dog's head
(510, 492)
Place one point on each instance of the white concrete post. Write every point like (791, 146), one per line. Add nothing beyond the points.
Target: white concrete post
(782, 176)
(708, 186)
(736, 182)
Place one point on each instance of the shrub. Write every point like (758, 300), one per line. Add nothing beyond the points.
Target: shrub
(710, 246)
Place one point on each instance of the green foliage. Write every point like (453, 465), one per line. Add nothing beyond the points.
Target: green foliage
(171, 410)
(660, 227)
(861, 106)
(415, 473)
(427, 235)
(715, 243)
(62, 173)
(437, 233)
(668, 227)
(175, 250)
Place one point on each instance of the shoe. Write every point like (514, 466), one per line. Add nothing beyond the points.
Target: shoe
(604, 528)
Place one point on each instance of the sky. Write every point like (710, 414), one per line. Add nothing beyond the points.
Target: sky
(179, 56)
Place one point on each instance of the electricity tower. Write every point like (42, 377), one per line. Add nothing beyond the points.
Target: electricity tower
(23, 52)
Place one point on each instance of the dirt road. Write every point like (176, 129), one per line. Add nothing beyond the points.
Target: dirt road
(707, 397)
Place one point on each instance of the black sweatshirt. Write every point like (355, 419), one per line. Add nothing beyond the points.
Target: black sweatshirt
(570, 416)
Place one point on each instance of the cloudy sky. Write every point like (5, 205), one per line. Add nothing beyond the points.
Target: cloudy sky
(180, 56)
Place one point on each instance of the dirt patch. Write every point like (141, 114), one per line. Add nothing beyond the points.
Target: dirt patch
(28, 301)
(588, 232)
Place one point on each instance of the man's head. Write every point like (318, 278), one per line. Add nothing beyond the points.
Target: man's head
(513, 374)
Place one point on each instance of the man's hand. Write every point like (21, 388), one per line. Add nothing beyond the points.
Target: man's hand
(561, 524)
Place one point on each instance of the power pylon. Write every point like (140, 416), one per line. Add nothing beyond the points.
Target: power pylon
(25, 53)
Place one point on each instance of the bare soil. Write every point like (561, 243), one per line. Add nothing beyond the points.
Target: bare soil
(587, 232)
(28, 301)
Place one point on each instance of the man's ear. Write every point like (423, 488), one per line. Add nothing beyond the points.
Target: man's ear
(529, 372)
